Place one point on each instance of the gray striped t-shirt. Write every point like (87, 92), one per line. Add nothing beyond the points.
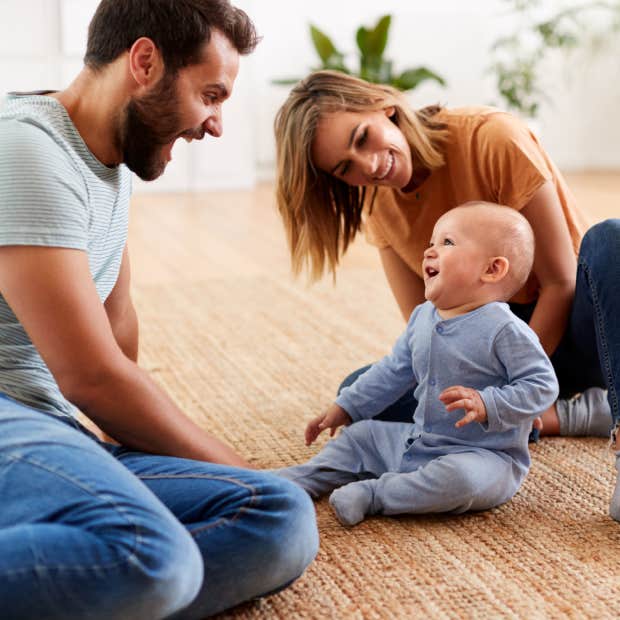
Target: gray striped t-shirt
(53, 192)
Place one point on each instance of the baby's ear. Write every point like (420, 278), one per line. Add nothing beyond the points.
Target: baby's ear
(497, 270)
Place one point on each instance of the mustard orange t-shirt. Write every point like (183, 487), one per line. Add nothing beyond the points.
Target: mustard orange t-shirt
(490, 155)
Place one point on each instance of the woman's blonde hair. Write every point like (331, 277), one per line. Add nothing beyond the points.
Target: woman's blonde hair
(321, 213)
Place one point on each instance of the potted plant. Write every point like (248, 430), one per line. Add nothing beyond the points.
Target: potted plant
(373, 66)
(518, 57)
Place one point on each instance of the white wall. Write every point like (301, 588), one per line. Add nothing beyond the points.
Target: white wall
(42, 44)
(41, 47)
(449, 36)
(579, 125)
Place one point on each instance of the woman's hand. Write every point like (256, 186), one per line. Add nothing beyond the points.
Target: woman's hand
(333, 417)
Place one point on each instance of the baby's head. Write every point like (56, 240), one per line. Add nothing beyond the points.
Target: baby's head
(479, 252)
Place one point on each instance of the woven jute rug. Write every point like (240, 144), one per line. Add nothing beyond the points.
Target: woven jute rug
(252, 359)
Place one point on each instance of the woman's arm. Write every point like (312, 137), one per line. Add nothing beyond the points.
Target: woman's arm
(555, 266)
(406, 285)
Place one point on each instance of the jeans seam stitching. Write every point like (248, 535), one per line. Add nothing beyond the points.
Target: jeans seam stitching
(223, 520)
(600, 323)
(130, 557)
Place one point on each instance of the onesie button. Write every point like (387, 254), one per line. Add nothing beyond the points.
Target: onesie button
(407, 457)
(409, 441)
(439, 329)
(427, 429)
(432, 382)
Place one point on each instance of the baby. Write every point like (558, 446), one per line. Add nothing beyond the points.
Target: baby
(480, 378)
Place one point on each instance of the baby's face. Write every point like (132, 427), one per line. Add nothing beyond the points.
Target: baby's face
(455, 261)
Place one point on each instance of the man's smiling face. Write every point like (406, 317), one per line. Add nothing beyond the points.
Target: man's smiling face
(186, 105)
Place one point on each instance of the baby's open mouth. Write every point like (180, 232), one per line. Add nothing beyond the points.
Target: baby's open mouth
(430, 272)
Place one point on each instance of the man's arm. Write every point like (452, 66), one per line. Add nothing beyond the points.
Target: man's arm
(121, 312)
(51, 292)
(124, 323)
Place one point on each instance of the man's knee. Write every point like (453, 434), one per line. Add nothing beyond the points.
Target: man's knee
(293, 540)
(166, 572)
(169, 580)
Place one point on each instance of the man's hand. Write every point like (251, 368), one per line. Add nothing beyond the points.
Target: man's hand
(333, 417)
(459, 397)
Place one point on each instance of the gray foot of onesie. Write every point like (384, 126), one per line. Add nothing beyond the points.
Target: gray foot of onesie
(352, 502)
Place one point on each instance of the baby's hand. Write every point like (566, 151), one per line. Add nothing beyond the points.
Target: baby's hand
(459, 397)
(333, 417)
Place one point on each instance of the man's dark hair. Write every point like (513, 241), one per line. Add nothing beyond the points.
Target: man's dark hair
(179, 29)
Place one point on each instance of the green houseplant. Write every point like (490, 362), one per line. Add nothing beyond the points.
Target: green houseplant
(373, 66)
(517, 57)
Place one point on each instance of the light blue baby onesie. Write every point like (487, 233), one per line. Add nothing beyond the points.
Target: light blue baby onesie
(429, 465)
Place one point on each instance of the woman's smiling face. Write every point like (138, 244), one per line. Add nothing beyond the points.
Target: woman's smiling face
(362, 148)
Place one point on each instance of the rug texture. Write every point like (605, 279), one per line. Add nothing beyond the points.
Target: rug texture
(254, 356)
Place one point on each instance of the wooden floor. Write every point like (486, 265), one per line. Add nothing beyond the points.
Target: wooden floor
(251, 355)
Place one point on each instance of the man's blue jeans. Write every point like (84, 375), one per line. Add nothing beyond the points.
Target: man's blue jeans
(589, 354)
(92, 530)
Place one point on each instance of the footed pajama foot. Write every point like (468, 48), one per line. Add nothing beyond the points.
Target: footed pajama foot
(352, 502)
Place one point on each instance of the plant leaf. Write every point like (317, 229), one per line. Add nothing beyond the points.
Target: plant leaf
(377, 38)
(322, 44)
(412, 77)
(362, 40)
(285, 81)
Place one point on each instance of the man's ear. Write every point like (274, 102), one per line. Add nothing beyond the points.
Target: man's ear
(497, 270)
(389, 111)
(145, 62)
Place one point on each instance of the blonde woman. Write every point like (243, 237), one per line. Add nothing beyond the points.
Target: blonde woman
(350, 151)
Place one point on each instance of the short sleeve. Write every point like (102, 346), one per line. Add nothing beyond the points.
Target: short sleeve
(43, 198)
(511, 159)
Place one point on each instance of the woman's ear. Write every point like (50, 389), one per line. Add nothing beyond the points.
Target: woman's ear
(497, 270)
(390, 111)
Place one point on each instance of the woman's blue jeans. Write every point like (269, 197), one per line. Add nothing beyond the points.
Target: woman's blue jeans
(589, 354)
(92, 530)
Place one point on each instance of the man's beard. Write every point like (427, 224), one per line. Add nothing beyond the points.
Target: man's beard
(149, 123)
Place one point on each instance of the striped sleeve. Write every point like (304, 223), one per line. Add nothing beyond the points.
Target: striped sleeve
(43, 197)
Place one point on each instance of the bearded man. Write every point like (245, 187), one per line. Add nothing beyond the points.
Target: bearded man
(170, 521)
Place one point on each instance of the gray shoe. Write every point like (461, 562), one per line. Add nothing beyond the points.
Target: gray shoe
(614, 506)
(586, 414)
